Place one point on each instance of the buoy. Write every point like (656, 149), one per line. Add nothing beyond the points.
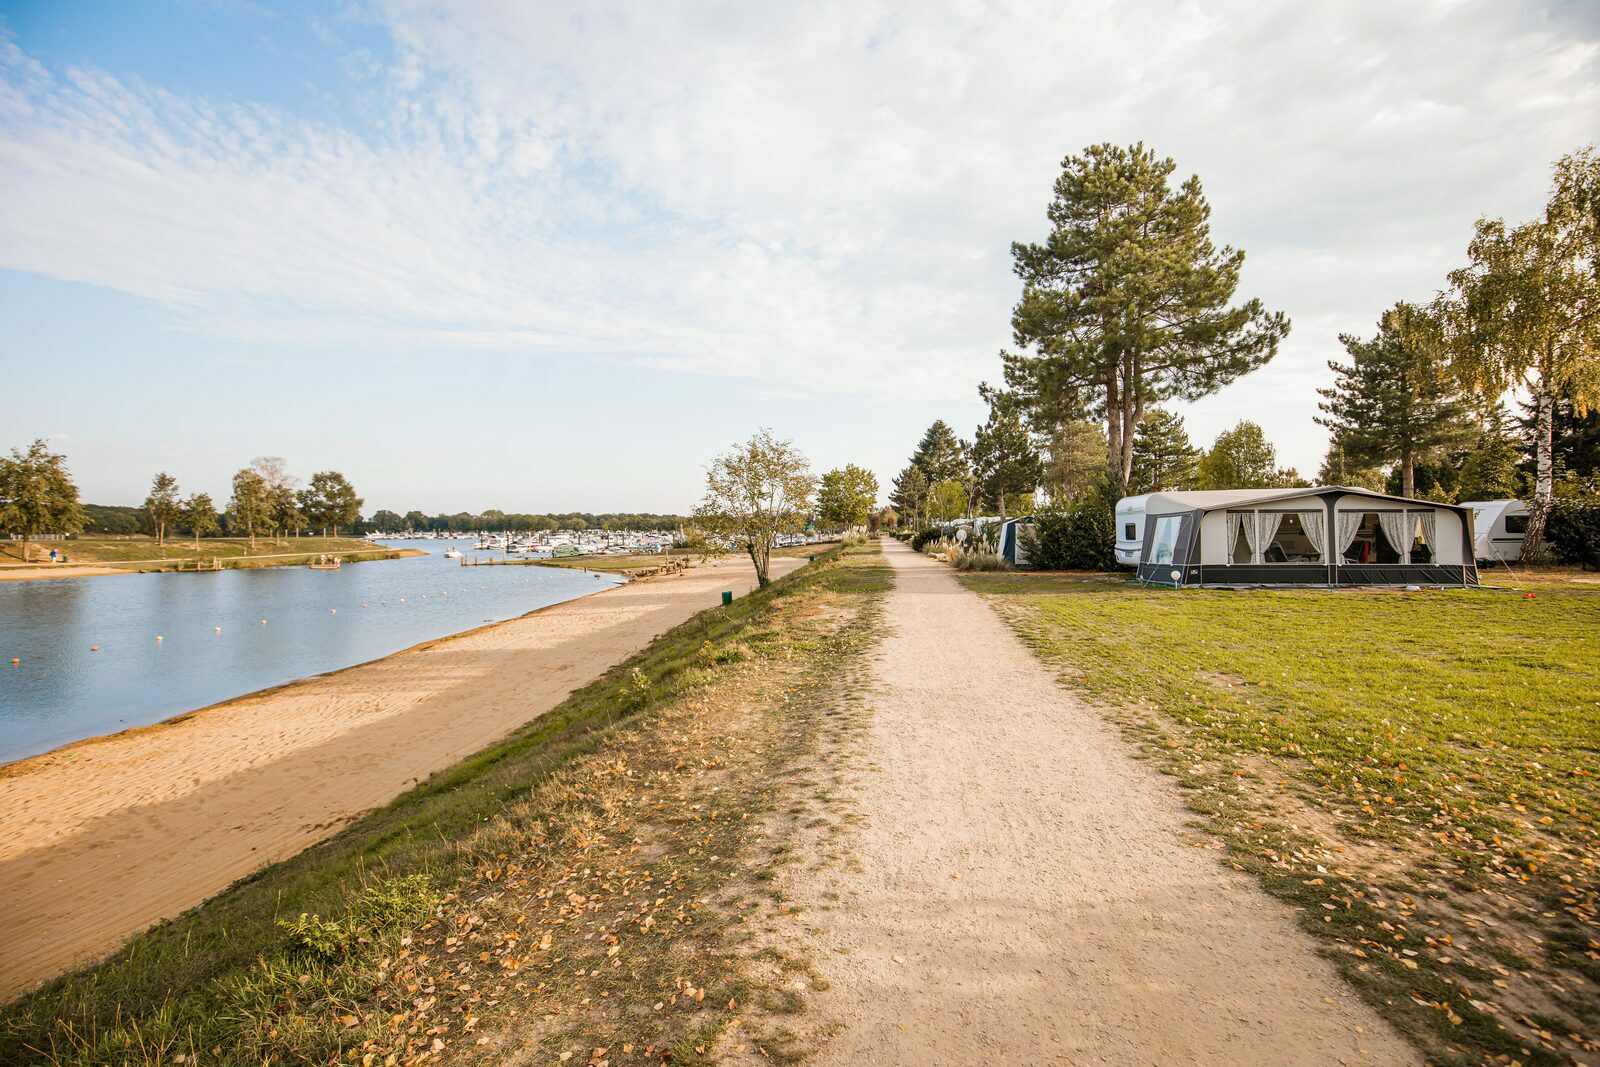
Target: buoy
(216, 629)
(160, 638)
(333, 611)
(92, 648)
(15, 661)
(263, 622)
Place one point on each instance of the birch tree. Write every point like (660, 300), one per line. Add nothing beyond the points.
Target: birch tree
(1525, 314)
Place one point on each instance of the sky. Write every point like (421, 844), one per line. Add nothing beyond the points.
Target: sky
(547, 256)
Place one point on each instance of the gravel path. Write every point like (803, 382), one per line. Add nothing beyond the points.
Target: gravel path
(1028, 892)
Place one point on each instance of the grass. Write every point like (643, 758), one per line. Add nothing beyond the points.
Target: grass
(656, 560)
(142, 554)
(1415, 772)
(525, 899)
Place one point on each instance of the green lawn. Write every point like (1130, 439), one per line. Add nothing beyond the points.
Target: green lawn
(143, 553)
(1416, 771)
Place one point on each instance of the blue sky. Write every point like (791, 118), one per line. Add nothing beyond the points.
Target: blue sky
(554, 256)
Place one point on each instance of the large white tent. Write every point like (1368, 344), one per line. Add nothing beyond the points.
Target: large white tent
(1329, 536)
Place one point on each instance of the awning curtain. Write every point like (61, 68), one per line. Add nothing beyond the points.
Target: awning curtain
(1311, 522)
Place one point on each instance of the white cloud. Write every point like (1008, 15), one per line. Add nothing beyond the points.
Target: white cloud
(819, 195)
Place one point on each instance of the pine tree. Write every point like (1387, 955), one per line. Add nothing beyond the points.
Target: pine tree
(940, 455)
(1338, 469)
(910, 495)
(1164, 460)
(1126, 302)
(1003, 456)
(1395, 402)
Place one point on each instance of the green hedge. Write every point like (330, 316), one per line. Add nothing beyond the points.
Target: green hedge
(1080, 538)
(1574, 531)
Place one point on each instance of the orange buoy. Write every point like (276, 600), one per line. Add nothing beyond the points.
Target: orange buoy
(263, 622)
(15, 661)
(216, 629)
(160, 638)
(92, 648)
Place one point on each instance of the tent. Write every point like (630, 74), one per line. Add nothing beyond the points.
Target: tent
(1013, 543)
(1326, 536)
(1501, 525)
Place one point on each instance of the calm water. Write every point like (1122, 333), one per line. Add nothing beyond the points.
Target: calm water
(316, 621)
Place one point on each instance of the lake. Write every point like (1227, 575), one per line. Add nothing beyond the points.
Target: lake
(214, 645)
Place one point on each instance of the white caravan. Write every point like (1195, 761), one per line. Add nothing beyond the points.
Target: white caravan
(1130, 529)
(1499, 526)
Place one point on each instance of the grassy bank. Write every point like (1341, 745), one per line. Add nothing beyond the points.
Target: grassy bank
(633, 564)
(1415, 772)
(140, 554)
(555, 892)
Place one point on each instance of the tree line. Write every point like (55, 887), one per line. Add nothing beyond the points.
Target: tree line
(495, 521)
(1128, 309)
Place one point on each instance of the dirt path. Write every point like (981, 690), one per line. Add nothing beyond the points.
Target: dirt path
(1025, 891)
(103, 838)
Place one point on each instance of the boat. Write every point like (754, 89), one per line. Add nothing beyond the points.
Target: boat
(325, 562)
(452, 552)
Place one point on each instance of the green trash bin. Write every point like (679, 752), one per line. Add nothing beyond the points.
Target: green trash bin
(727, 598)
(811, 558)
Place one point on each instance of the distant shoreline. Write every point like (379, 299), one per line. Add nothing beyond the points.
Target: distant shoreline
(20, 572)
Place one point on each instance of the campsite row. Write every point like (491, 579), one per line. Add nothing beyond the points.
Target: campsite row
(1324, 536)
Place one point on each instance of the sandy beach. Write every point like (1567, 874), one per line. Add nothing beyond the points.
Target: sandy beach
(107, 836)
(58, 570)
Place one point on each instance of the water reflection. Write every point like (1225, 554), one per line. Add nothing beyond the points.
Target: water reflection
(213, 643)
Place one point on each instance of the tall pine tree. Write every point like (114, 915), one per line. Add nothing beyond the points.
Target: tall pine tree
(1126, 302)
(941, 456)
(1394, 403)
(1164, 460)
(1003, 456)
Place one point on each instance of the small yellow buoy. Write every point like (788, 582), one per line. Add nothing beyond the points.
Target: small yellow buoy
(160, 638)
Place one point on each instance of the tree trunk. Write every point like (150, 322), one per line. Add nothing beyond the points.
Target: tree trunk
(1408, 477)
(1533, 548)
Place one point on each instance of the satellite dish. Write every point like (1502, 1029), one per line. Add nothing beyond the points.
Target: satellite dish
(961, 534)
(1177, 577)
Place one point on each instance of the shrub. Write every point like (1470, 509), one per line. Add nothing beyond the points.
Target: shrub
(924, 538)
(1082, 537)
(1574, 531)
(982, 561)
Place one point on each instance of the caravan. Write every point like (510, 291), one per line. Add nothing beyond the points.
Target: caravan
(1130, 528)
(1500, 526)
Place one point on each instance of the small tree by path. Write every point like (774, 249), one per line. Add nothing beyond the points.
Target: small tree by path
(754, 493)
(37, 495)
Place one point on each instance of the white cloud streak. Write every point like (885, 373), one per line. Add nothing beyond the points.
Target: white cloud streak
(818, 195)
